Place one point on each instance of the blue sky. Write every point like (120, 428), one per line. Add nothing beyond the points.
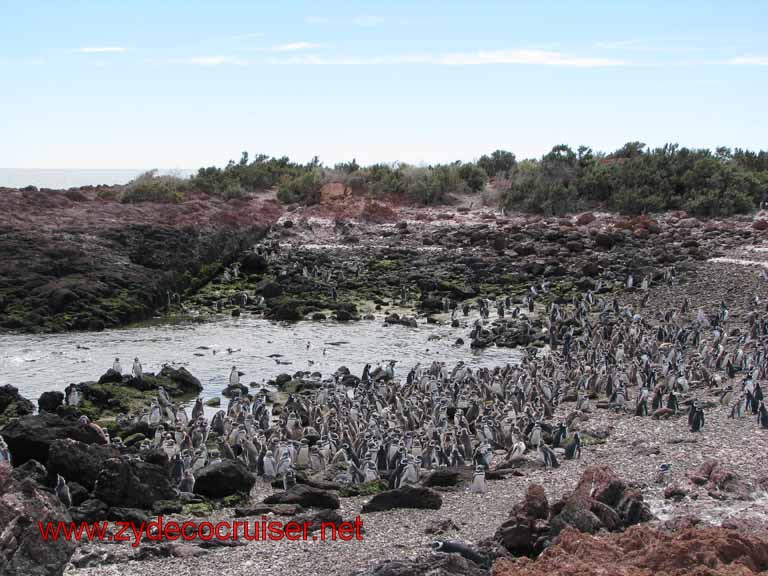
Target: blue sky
(171, 84)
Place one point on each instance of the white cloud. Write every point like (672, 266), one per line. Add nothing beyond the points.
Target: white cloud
(519, 57)
(532, 57)
(213, 61)
(368, 21)
(101, 49)
(748, 61)
(294, 46)
(247, 36)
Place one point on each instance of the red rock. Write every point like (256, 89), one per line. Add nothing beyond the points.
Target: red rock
(644, 551)
(585, 218)
(760, 224)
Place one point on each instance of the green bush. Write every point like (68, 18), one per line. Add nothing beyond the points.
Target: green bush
(149, 187)
(304, 189)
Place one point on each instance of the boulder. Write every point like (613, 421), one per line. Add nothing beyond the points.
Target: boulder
(305, 496)
(111, 377)
(429, 565)
(50, 401)
(526, 531)
(253, 263)
(643, 551)
(288, 311)
(224, 478)
(12, 404)
(30, 437)
(31, 469)
(442, 477)
(132, 484)
(721, 482)
(77, 461)
(405, 497)
(22, 549)
(90, 510)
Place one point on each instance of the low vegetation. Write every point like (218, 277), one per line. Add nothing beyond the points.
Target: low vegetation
(631, 180)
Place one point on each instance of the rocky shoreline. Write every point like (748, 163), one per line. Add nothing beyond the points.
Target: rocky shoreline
(80, 259)
(628, 329)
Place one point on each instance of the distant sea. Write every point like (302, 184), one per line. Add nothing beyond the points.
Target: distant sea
(53, 178)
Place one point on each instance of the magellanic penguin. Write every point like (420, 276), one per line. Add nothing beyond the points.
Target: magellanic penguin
(116, 366)
(573, 448)
(187, 483)
(696, 419)
(453, 547)
(479, 485)
(137, 371)
(62, 491)
(5, 454)
(762, 419)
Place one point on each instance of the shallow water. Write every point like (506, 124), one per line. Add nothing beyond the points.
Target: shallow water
(37, 363)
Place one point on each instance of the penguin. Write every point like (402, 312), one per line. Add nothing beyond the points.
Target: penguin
(662, 475)
(116, 366)
(234, 377)
(289, 479)
(187, 483)
(479, 485)
(198, 410)
(453, 547)
(573, 448)
(5, 453)
(137, 371)
(697, 420)
(548, 457)
(62, 491)
(762, 420)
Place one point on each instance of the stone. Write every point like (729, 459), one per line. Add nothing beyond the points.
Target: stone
(30, 437)
(50, 401)
(22, 549)
(133, 484)
(224, 478)
(404, 497)
(77, 461)
(305, 496)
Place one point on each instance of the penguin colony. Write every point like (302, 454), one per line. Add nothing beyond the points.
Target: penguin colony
(362, 429)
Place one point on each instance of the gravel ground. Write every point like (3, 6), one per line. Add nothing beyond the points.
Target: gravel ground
(634, 449)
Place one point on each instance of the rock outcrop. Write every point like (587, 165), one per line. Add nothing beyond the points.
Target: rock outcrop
(22, 549)
(30, 437)
(224, 479)
(132, 484)
(645, 551)
(405, 497)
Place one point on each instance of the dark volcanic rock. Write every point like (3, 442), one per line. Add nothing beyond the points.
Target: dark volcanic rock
(50, 401)
(436, 565)
(305, 496)
(90, 510)
(30, 437)
(22, 550)
(405, 497)
(77, 461)
(13, 404)
(31, 469)
(442, 477)
(224, 479)
(132, 484)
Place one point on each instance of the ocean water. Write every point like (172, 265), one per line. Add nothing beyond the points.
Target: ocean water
(35, 363)
(55, 178)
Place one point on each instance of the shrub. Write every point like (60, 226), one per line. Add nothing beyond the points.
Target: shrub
(149, 187)
(304, 188)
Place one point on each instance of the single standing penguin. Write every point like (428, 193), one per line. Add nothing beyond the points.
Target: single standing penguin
(479, 485)
(62, 491)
